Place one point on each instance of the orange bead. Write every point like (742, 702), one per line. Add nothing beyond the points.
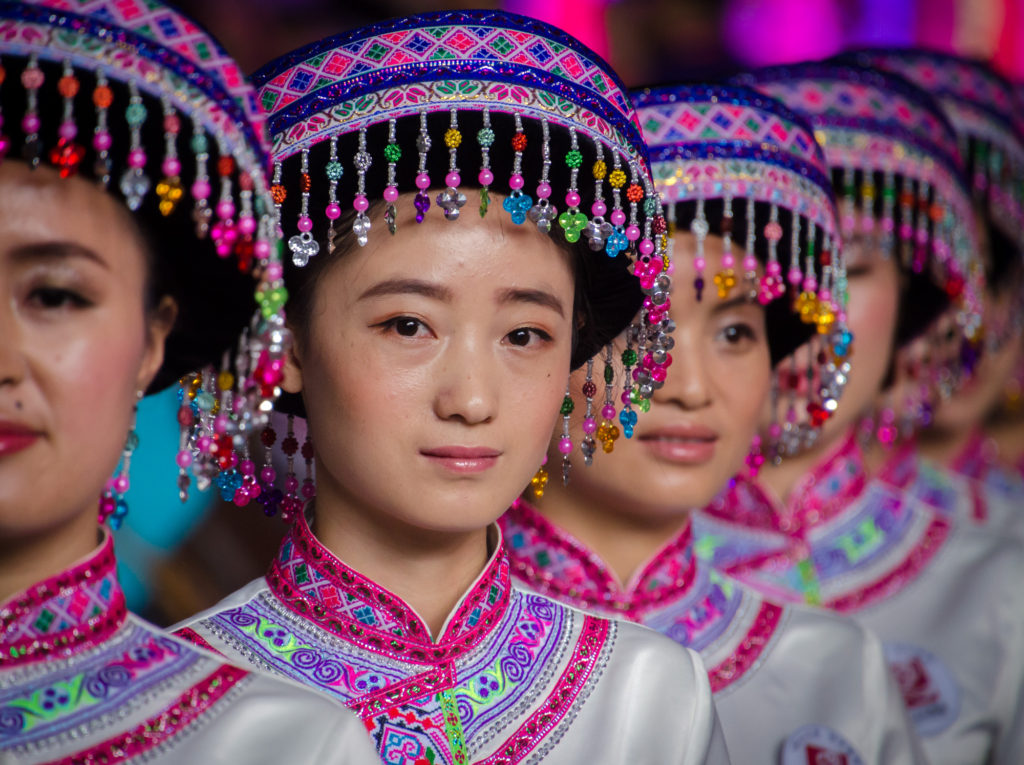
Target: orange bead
(3, 74)
(279, 193)
(519, 142)
(225, 166)
(103, 97)
(634, 193)
(67, 86)
(305, 183)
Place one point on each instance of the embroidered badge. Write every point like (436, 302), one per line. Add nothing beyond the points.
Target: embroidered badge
(929, 689)
(818, 745)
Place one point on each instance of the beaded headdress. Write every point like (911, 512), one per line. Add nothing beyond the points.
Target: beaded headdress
(440, 103)
(136, 96)
(758, 164)
(897, 174)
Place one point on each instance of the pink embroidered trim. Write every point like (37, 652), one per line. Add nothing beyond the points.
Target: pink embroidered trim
(979, 507)
(601, 589)
(164, 726)
(560, 701)
(89, 632)
(974, 459)
(901, 471)
(189, 635)
(419, 651)
(932, 540)
(415, 687)
(749, 650)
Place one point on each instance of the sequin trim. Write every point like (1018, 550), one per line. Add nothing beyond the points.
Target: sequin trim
(750, 649)
(189, 635)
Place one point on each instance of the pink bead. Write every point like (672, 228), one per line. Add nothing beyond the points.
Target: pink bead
(262, 249)
(390, 194)
(453, 179)
(658, 374)
(618, 217)
(137, 158)
(201, 189)
(572, 199)
(171, 166)
(225, 209)
(794, 276)
(749, 263)
(624, 397)
(184, 458)
(632, 233)
(220, 423)
(728, 261)
(598, 209)
(291, 483)
(204, 443)
(543, 190)
(773, 268)
(67, 131)
(247, 225)
(30, 123)
(360, 203)
(305, 224)
(589, 426)
(608, 412)
(486, 177)
(698, 263)
(268, 474)
(422, 181)
(102, 141)
(274, 271)
(121, 484)
(247, 467)
(172, 123)
(309, 488)
(646, 247)
(565, 445)
(333, 211)
(516, 181)
(825, 295)
(241, 497)
(671, 268)
(775, 430)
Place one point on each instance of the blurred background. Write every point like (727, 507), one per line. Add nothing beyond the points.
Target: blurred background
(177, 559)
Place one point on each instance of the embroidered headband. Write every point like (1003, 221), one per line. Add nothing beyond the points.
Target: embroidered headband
(136, 96)
(437, 103)
(878, 129)
(745, 150)
(981, 106)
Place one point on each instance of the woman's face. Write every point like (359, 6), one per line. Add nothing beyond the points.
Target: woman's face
(432, 368)
(75, 345)
(874, 290)
(702, 421)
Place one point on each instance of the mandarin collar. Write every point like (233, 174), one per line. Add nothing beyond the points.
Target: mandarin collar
(820, 495)
(316, 585)
(78, 608)
(558, 564)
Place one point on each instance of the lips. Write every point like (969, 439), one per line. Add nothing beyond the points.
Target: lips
(15, 437)
(462, 459)
(684, 444)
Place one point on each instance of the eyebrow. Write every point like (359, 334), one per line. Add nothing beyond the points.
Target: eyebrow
(532, 296)
(56, 251)
(741, 300)
(408, 287)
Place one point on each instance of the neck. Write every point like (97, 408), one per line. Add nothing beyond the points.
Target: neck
(943, 446)
(430, 570)
(1008, 434)
(782, 479)
(25, 561)
(624, 540)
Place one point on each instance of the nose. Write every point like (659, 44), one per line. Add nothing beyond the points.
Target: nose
(687, 384)
(12, 360)
(467, 383)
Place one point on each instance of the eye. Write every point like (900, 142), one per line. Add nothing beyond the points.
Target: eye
(523, 336)
(736, 334)
(404, 326)
(52, 298)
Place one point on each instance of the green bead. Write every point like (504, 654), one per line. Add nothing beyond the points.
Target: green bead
(629, 357)
(651, 207)
(644, 405)
(135, 114)
(200, 144)
(205, 401)
(609, 374)
(567, 406)
(574, 158)
(334, 171)
(485, 201)
(485, 136)
(392, 152)
(132, 442)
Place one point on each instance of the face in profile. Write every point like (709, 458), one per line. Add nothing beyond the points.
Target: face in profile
(76, 344)
(701, 422)
(432, 365)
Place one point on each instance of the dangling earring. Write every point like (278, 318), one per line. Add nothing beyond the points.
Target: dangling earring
(113, 507)
(539, 482)
(308, 483)
(755, 459)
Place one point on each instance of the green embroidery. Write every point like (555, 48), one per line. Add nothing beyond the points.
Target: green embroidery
(859, 543)
(453, 727)
(809, 582)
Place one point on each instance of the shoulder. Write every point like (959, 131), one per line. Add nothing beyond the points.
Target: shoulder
(237, 599)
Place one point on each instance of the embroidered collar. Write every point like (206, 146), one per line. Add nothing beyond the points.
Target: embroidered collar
(551, 559)
(977, 457)
(317, 586)
(817, 498)
(902, 468)
(78, 608)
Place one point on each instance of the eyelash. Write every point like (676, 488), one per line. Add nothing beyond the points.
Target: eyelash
(391, 325)
(65, 298)
(543, 336)
(742, 332)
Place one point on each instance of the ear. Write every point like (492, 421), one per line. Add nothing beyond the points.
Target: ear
(292, 380)
(159, 324)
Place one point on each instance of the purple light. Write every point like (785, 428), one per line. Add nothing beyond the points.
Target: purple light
(761, 32)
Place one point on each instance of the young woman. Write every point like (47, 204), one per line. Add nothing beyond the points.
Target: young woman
(943, 597)
(618, 539)
(980, 106)
(432, 362)
(94, 272)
